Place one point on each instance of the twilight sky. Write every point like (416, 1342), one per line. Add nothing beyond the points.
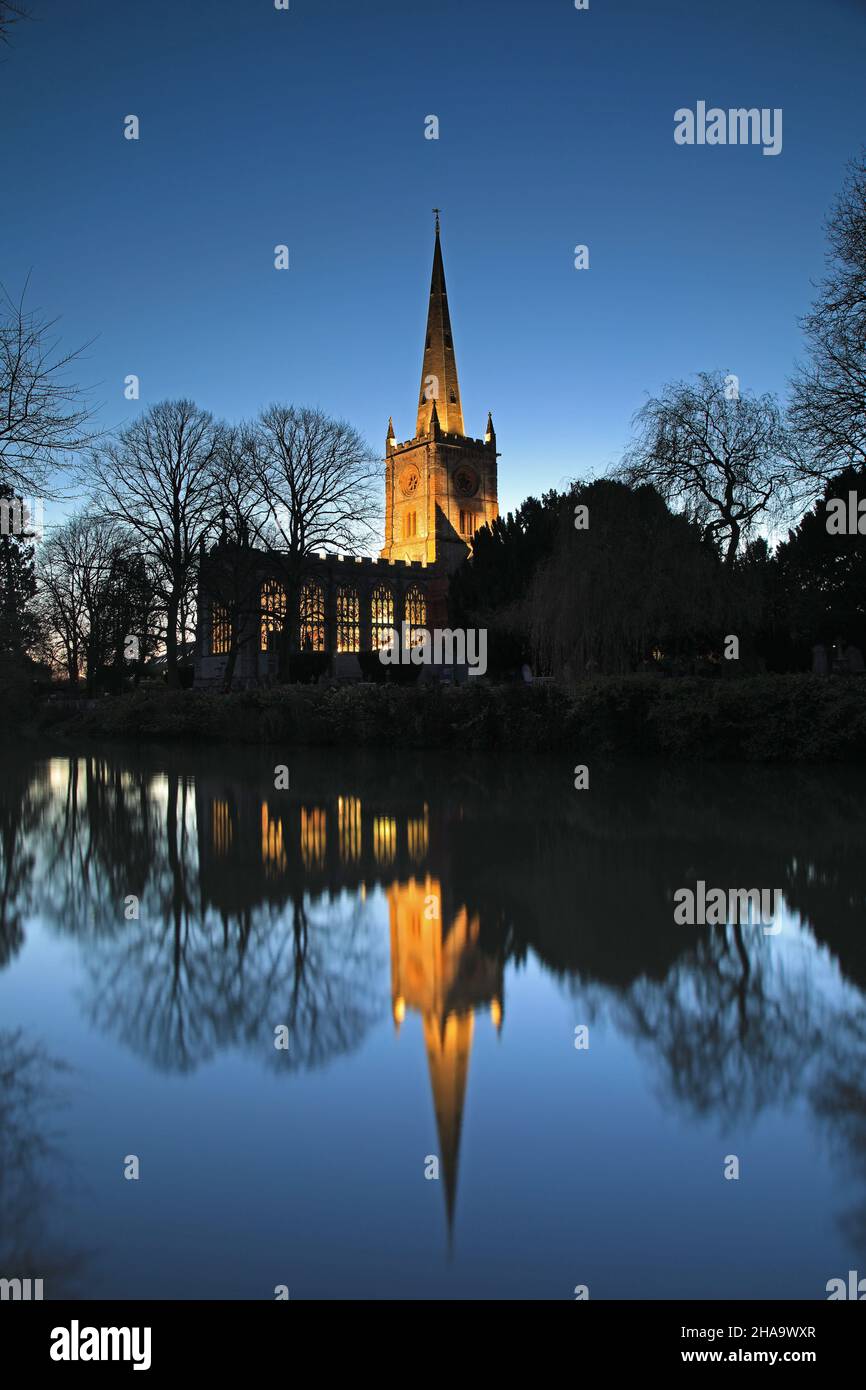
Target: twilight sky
(306, 127)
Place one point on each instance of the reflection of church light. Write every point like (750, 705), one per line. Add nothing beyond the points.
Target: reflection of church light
(349, 827)
(417, 835)
(273, 851)
(384, 839)
(313, 837)
(221, 827)
(439, 971)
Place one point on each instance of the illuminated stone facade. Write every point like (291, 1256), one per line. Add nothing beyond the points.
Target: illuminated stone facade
(440, 487)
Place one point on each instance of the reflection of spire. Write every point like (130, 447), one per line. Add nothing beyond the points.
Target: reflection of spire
(449, 1043)
(439, 970)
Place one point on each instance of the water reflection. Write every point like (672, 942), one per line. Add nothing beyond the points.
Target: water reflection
(254, 909)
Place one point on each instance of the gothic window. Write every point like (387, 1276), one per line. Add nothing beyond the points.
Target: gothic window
(467, 523)
(221, 631)
(273, 612)
(382, 615)
(416, 614)
(311, 609)
(348, 626)
(410, 525)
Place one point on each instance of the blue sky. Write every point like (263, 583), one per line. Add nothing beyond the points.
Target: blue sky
(306, 127)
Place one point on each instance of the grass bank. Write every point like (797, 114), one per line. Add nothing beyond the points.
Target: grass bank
(753, 719)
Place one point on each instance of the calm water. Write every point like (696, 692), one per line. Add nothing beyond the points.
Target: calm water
(430, 931)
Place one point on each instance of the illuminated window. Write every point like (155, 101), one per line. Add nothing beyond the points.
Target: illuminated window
(221, 631)
(384, 839)
(382, 614)
(273, 849)
(348, 624)
(416, 614)
(410, 525)
(313, 837)
(417, 835)
(312, 615)
(221, 827)
(467, 523)
(349, 827)
(273, 612)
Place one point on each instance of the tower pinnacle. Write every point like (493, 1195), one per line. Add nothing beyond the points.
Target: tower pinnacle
(439, 371)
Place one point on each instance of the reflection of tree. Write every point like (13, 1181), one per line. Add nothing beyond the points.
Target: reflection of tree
(729, 1030)
(180, 991)
(30, 1156)
(22, 800)
(100, 840)
(183, 983)
(237, 935)
(839, 1099)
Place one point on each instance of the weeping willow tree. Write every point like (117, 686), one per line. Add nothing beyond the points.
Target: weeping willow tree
(633, 578)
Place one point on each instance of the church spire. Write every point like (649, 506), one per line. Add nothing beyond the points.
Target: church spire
(439, 371)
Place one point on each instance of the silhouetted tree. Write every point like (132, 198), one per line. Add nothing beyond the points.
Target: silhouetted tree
(490, 587)
(823, 574)
(157, 479)
(10, 15)
(721, 457)
(234, 572)
(828, 407)
(43, 417)
(19, 622)
(319, 487)
(636, 577)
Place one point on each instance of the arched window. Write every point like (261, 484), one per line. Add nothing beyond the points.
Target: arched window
(221, 631)
(382, 615)
(348, 619)
(273, 612)
(416, 614)
(312, 617)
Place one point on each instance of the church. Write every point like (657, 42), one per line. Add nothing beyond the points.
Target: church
(440, 488)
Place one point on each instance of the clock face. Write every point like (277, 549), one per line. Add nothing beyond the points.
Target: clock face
(410, 479)
(466, 481)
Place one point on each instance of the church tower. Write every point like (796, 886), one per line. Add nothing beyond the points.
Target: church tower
(440, 486)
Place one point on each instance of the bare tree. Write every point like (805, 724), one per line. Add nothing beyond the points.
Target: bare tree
(157, 478)
(81, 569)
(721, 457)
(43, 417)
(828, 405)
(9, 15)
(318, 482)
(234, 573)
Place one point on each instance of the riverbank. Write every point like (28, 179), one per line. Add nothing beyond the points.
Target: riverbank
(761, 718)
